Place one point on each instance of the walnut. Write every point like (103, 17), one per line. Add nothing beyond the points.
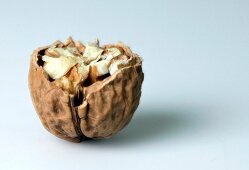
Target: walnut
(83, 91)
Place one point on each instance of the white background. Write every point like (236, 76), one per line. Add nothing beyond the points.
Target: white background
(195, 102)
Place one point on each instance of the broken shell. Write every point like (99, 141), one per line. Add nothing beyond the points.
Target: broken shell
(80, 47)
(96, 110)
(69, 42)
(51, 52)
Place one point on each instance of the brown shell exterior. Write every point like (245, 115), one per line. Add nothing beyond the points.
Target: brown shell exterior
(107, 105)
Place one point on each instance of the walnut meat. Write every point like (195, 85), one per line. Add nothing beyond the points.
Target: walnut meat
(83, 91)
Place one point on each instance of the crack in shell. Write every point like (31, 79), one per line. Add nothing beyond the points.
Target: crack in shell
(75, 116)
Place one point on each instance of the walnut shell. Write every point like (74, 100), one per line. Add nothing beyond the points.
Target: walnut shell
(96, 111)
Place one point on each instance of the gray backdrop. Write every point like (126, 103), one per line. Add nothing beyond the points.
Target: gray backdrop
(194, 108)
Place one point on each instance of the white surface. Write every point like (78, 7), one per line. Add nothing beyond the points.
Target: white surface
(194, 108)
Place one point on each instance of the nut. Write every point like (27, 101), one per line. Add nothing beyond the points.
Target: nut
(87, 91)
(58, 67)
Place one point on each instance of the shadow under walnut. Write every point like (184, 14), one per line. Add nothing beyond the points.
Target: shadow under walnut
(96, 111)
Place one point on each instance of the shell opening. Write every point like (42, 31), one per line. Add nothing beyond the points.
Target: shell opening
(73, 65)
